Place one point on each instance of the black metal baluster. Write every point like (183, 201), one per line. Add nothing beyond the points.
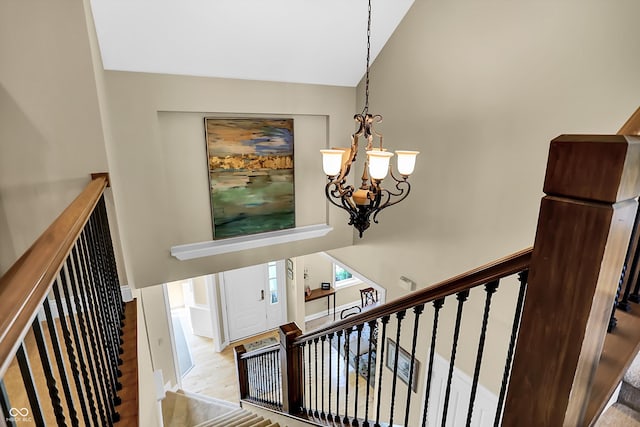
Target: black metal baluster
(57, 351)
(347, 341)
(48, 372)
(371, 325)
(76, 339)
(85, 326)
(110, 255)
(273, 379)
(310, 412)
(260, 376)
(114, 323)
(337, 415)
(269, 376)
(630, 259)
(635, 295)
(522, 277)
(617, 303)
(323, 340)
(99, 301)
(263, 376)
(5, 406)
(30, 386)
(256, 378)
(315, 344)
(329, 414)
(461, 297)
(437, 305)
(101, 365)
(384, 321)
(250, 378)
(69, 346)
(304, 393)
(85, 342)
(355, 422)
(417, 311)
(490, 289)
(399, 316)
(279, 368)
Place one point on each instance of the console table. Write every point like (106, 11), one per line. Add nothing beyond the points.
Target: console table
(322, 293)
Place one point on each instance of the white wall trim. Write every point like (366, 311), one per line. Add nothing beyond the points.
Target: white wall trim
(172, 337)
(234, 244)
(212, 295)
(485, 405)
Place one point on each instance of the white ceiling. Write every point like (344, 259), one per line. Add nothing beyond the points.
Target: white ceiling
(299, 41)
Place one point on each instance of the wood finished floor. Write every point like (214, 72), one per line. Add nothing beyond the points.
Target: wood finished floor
(214, 374)
(17, 394)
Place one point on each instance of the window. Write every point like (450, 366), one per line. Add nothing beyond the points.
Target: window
(273, 282)
(341, 273)
(343, 277)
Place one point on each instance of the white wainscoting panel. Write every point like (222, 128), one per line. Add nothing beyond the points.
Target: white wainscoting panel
(485, 406)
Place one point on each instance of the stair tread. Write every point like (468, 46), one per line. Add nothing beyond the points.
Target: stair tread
(254, 419)
(619, 415)
(238, 421)
(228, 417)
(633, 373)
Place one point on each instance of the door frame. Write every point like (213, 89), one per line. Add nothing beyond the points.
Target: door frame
(282, 288)
(176, 365)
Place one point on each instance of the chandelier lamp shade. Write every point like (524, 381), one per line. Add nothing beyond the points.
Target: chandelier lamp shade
(365, 203)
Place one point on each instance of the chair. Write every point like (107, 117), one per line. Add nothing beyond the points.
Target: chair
(351, 311)
(368, 296)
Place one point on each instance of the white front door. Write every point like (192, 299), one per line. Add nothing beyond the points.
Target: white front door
(254, 299)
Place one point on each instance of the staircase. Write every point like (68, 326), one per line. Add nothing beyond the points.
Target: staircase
(626, 411)
(239, 418)
(182, 409)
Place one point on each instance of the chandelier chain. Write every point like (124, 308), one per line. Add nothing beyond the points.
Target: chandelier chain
(366, 96)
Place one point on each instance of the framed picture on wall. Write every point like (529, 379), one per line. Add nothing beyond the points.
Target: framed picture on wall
(289, 268)
(251, 179)
(404, 363)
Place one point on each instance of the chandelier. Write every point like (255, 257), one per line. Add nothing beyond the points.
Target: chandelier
(365, 203)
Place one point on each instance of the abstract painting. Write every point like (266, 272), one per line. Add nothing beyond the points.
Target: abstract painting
(250, 175)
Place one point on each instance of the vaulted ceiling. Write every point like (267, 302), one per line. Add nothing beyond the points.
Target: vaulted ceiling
(298, 41)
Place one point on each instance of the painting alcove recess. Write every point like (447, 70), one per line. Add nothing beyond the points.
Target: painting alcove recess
(251, 175)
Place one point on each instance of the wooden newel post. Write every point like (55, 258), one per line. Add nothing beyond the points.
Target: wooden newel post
(241, 369)
(291, 368)
(583, 233)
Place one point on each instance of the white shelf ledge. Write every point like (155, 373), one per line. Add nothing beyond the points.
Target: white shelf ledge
(234, 244)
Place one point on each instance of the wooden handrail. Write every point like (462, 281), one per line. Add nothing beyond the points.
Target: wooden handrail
(28, 281)
(503, 267)
(632, 126)
(261, 350)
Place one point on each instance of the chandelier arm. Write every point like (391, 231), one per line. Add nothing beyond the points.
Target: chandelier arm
(341, 193)
(404, 188)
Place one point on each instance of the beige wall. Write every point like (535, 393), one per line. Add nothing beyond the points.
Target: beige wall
(159, 174)
(155, 316)
(319, 269)
(480, 89)
(148, 415)
(50, 130)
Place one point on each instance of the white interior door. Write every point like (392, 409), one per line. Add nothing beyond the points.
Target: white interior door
(254, 299)
(245, 295)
